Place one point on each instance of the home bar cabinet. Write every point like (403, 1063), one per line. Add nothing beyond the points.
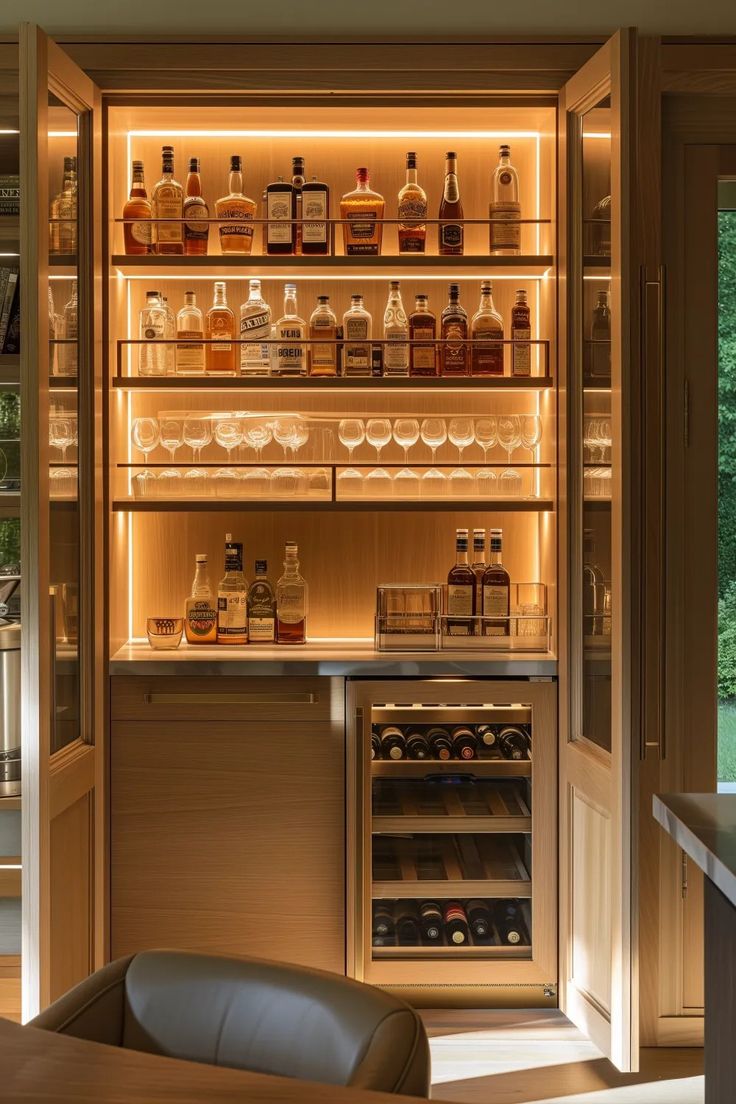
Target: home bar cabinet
(244, 798)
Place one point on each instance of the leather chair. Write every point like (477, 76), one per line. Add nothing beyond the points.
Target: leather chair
(249, 1014)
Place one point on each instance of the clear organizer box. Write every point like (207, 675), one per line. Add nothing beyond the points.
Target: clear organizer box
(408, 617)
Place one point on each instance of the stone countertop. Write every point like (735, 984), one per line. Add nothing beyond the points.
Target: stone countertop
(704, 826)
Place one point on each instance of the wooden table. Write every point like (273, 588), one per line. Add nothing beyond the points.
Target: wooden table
(57, 1069)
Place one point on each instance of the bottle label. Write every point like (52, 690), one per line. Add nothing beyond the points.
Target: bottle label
(219, 328)
(193, 230)
(460, 604)
(496, 604)
(255, 325)
(487, 353)
(363, 234)
(201, 618)
(455, 351)
(189, 355)
(261, 629)
(451, 235)
(153, 329)
(507, 233)
(231, 613)
(314, 206)
(521, 355)
(323, 356)
(396, 352)
(412, 212)
(142, 232)
(423, 357)
(278, 207)
(357, 357)
(452, 191)
(168, 201)
(290, 354)
(242, 227)
(291, 603)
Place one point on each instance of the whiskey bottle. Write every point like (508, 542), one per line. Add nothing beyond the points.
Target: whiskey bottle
(280, 212)
(460, 590)
(407, 924)
(323, 327)
(393, 744)
(594, 588)
(297, 184)
(431, 921)
(70, 168)
(412, 211)
(236, 234)
(291, 332)
(422, 328)
(68, 360)
(396, 334)
(137, 234)
(232, 593)
(291, 601)
(521, 332)
(200, 612)
(220, 359)
(479, 566)
(167, 202)
(152, 332)
(464, 744)
(357, 326)
(261, 607)
(505, 209)
(196, 231)
(600, 338)
(361, 212)
(496, 590)
(189, 347)
(479, 918)
(456, 923)
(440, 744)
(451, 226)
(486, 332)
(417, 746)
(315, 214)
(454, 332)
(67, 211)
(255, 329)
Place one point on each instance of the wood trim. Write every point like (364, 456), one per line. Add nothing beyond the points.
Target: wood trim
(698, 68)
(71, 776)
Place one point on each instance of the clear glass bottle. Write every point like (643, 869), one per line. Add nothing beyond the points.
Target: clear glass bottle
(451, 229)
(220, 357)
(54, 332)
(68, 211)
(261, 607)
(496, 589)
(236, 235)
(55, 207)
(169, 350)
(255, 328)
(152, 331)
(167, 202)
(505, 209)
(594, 588)
(68, 353)
(412, 211)
(291, 332)
(291, 600)
(461, 590)
(323, 328)
(486, 334)
(362, 213)
(232, 597)
(357, 326)
(196, 232)
(137, 235)
(600, 338)
(422, 328)
(200, 612)
(454, 357)
(521, 332)
(189, 328)
(396, 334)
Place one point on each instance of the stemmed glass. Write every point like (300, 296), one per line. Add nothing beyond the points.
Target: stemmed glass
(531, 432)
(509, 433)
(604, 439)
(299, 436)
(486, 434)
(171, 435)
(461, 433)
(434, 434)
(351, 433)
(284, 430)
(197, 434)
(60, 435)
(257, 435)
(229, 434)
(406, 434)
(145, 434)
(378, 434)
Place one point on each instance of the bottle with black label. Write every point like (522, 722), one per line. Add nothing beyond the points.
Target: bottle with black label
(456, 923)
(451, 225)
(514, 743)
(261, 607)
(440, 744)
(431, 921)
(463, 742)
(479, 919)
(281, 213)
(407, 924)
(393, 743)
(461, 586)
(496, 590)
(315, 236)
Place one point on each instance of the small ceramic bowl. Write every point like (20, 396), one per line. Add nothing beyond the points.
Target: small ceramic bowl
(164, 632)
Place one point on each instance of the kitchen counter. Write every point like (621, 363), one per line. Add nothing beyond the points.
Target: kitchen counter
(704, 826)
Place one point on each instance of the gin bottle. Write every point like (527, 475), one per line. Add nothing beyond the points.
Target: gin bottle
(152, 331)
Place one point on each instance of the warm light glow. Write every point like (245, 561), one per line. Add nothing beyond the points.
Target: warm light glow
(302, 133)
(596, 134)
(3, 131)
(63, 134)
(420, 275)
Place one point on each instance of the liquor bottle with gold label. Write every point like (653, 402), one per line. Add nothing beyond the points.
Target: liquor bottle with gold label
(221, 352)
(232, 596)
(200, 614)
(362, 213)
(454, 357)
(396, 334)
(521, 332)
(496, 590)
(451, 229)
(461, 590)
(486, 332)
(505, 209)
(422, 334)
(237, 212)
(196, 232)
(137, 233)
(291, 600)
(167, 202)
(412, 211)
(323, 328)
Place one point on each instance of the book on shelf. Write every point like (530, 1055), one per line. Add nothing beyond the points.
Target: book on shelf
(9, 194)
(9, 310)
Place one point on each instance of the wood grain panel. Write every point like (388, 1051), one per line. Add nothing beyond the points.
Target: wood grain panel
(160, 697)
(591, 900)
(71, 895)
(10, 987)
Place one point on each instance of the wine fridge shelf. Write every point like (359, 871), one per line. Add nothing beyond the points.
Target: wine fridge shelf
(527, 266)
(423, 807)
(479, 768)
(391, 825)
(445, 890)
(466, 865)
(482, 950)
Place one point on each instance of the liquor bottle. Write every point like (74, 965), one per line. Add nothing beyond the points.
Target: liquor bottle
(190, 354)
(513, 743)
(496, 590)
(440, 744)
(137, 235)
(412, 211)
(291, 332)
(594, 588)
(464, 743)
(407, 924)
(486, 332)
(196, 232)
(232, 593)
(479, 566)
(315, 237)
(479, 918)
(396, 334)
(236, 235)
(431, 921)
(383, 920)
(361, 212)
(521, 332)
(264, 216)
(70, 165)
(55, 331)
(422, 328)
(375, 746)
(601, 228)
(255, 328)
(323, 327)
(454, 358)
(280, 212)
(451, 227)
(220, 358)
(68, 353)
(67, 209)
(357, 327)
(456, 923)
(600, 336)
(167, 202)
(261, 607)
(170, 335)
(510, 924)
(152, 331)
(297, 184)
(461, 585)
(505, 209)
(200, 611)
(417, 746)
(487, 735)
(291, 600)
(393, 744)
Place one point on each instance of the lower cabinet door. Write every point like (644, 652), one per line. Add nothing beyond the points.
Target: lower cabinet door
(229, 837)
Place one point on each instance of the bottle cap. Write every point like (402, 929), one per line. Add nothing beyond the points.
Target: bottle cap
(486, 287)
(137, 165)
(451, 156)
(394, 285)
(201, 557)
(454, 290)
(411, 160)
(236, 163)
(323, 298)
(194, 164)
(362, 175)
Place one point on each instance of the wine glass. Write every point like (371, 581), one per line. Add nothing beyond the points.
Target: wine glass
(461, 433)
(60, 435)
(605, 439)
(406, 434)
(229, 434)
(434, 434)
(257, 435)
(299, 436)
(351, 433)
(197, 434)
(284, 430)
(145, 434)
(378, 434)
(531, 432)
(509, 433)
(171, 435)
(486, 434)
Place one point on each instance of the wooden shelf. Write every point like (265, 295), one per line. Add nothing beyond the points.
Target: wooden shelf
(328, 383)
(490, 950)
(184, 505)
(446, 890)
(394, 825)
(481, 768)
(529, 267)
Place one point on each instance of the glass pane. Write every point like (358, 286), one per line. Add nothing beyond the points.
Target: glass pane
(726, 486)
(595, 455)
(64, 541)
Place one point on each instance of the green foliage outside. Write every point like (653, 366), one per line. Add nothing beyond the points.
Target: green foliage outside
(727, 496)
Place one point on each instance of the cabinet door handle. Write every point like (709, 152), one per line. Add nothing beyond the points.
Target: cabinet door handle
(223, 697)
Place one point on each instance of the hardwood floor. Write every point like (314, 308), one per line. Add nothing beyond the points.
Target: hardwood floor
(530, 1057)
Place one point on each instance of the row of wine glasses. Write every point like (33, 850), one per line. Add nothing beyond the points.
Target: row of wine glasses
(597, 438)
(597, 483)
(229, 432)
(510, 431)
(63, 432)
(407, 483)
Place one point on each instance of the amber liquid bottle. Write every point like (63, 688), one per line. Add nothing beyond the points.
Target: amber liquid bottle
(167, 204)
(521, 332)
(236, 233)
(361, 212)
(196, 232)
(496, 590)
(461, 590)
(137, 235)
(486, 331)
(412, 211)
(451, 230)
(422, 328)
(221, 352)
(454, 356)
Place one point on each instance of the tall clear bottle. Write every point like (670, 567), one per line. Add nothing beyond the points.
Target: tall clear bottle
(200, 611)
(137, 234)
(169, 348)
(505, 208)
(396, 334)
(152, 331)
(55, 206)
(220, 356)
(291, 332)
(255, 328)
(412, 211)
(486, 333)
(357, 328)
(291, 600)
(68, 358)
(189, 333)
(451, 229)
(232, 597)
(167, 203)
